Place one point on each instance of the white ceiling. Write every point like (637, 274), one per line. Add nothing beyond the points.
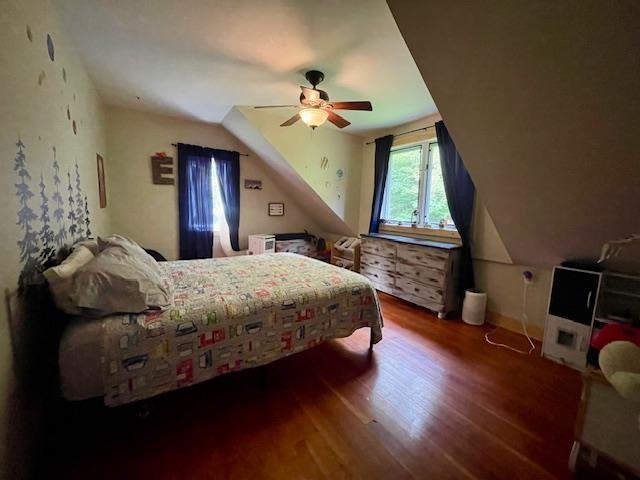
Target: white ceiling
(199, 58)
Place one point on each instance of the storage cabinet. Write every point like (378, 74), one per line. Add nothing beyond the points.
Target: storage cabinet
(574, 294)
(419, 271)
(572, 305)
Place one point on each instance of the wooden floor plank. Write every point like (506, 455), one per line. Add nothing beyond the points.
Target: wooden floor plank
(434, 400)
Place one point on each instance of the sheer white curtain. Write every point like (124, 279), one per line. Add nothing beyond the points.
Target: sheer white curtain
(221, 232)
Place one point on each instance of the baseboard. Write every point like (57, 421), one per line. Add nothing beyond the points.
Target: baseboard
(513, 325)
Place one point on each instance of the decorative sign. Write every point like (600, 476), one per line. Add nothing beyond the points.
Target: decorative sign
(162, 170)
(253, 184)
(276, 209)
(102, 189)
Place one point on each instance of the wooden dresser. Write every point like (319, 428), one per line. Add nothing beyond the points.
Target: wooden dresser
(419, 271)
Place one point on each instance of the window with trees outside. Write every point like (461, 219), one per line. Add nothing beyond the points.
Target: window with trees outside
(414, 193)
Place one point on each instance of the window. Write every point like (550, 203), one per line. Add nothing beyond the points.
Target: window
(219, 220)
(414, 193)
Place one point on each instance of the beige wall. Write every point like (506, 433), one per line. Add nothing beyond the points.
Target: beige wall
(35, 97)
(304, 149)
(495, 272)
(504, 286)
(149, 213)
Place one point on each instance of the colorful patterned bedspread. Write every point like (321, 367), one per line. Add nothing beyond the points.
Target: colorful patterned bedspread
(230, 314)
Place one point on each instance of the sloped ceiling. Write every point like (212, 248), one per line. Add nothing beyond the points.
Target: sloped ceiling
(543, 102)
(329, 161)
(249, 133)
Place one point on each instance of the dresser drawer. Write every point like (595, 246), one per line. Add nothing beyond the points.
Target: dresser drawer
(425, 256)
(420, 290)
(342, 263)
(383, 287)
(422, 274)
(376, 261)
(383, 281)
(382, 248)
(378, 276)
(435, 307)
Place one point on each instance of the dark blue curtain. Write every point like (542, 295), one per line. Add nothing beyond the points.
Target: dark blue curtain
(460, 197)
(228, 169)
(195, 202)
(383, 150)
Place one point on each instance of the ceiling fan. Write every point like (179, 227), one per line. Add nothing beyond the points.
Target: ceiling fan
(315, 106)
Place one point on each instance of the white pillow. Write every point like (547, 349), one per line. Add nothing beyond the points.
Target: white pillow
(119, 241)
(122, 278)
(91, 244)
(60, 278)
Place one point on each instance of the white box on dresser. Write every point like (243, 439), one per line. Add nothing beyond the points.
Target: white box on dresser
(420, 271)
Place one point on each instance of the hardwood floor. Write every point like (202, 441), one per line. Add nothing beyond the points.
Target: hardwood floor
(433, 401)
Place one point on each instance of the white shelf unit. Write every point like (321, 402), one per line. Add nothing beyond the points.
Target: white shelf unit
(581, 302)
(620, 299)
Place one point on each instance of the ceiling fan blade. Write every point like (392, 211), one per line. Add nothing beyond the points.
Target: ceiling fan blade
(310, 93)
(277, 106)
(352, 106)
(291, 121)
(337, 120)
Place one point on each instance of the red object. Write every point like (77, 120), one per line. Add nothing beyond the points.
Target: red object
(306, 314)
(184, 372)
(613, 332)
(161, 154)
(286, 341)
(218, 335)
(206, 338)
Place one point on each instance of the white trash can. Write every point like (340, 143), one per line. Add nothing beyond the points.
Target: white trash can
(474, 306)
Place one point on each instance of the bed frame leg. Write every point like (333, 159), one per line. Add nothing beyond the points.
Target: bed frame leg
(371, 340)
(142, 410)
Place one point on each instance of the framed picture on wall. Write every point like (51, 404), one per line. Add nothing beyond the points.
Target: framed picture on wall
(276, 209)
(102, 189)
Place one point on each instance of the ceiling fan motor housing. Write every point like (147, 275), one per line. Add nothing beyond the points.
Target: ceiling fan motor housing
(323, 96)
(315, 108)
(314, 77)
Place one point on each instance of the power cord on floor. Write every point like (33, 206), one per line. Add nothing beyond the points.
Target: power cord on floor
(523, 319)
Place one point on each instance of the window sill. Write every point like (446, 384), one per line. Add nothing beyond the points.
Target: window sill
(450, 235)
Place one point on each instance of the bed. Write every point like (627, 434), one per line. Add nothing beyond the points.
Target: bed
(228, 314)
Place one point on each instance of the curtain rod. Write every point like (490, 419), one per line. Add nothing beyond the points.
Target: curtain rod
(241, 154)
(405, 133)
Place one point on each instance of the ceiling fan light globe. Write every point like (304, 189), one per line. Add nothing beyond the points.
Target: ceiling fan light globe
(313, 117)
